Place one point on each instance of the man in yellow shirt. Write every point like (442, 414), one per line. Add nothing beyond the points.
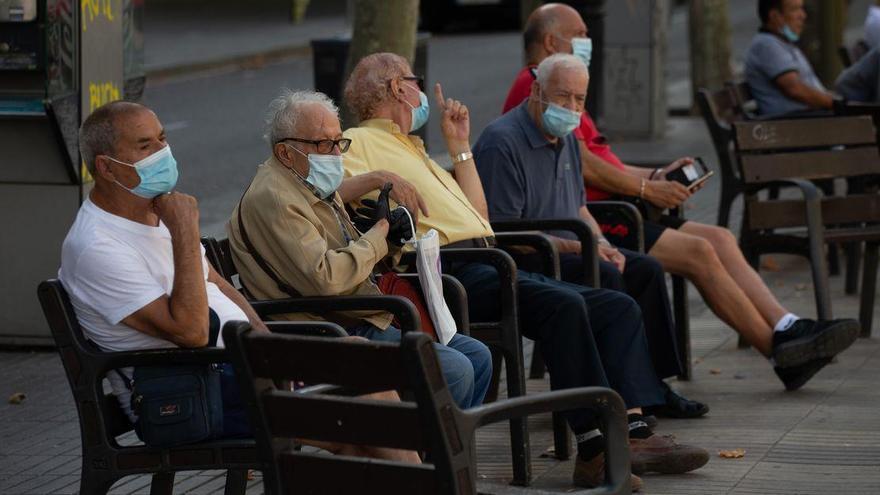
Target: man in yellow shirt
(298, 238)
(587, 336)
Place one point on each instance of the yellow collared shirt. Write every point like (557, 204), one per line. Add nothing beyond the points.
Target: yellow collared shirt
(378, 144)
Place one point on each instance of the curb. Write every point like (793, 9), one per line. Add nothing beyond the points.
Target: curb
(246, 61)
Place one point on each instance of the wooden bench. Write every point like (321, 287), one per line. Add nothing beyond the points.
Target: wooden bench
(793, 153)
(501, 336)
(429, 423)
(102, 421)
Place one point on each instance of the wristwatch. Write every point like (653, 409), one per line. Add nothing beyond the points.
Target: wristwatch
(462, 157)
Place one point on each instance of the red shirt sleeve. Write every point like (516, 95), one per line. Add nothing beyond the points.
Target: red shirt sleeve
(520, 90)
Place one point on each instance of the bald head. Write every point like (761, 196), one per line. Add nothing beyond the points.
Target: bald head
(549, 30)
(100, 131)
(369, 86)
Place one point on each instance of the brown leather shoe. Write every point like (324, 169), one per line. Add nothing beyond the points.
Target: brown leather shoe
(590, 474)
(662, 454)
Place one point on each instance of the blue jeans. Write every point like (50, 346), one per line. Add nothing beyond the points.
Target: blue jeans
(466, 363)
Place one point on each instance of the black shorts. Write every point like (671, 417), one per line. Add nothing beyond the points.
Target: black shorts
(619, 235)
(653, 230)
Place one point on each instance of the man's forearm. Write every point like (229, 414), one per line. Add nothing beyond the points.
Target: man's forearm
(355, 187)
(188, 302)
(602, 175)
(566, 246)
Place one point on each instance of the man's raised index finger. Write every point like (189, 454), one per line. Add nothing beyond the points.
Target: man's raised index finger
(438, 94)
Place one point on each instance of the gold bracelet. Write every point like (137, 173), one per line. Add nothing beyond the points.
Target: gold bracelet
(642, 188)
(462, 157)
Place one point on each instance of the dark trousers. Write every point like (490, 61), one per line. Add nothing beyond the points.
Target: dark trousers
(642, 279)
(588, 337)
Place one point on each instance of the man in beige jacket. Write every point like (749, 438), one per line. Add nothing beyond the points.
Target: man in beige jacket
(298, 239)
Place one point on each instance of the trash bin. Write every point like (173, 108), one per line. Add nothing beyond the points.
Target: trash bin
(329, 56)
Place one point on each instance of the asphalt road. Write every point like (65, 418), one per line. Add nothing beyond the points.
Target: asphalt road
(215, 124)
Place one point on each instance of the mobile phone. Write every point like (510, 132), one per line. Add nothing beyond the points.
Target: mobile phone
(691, 175)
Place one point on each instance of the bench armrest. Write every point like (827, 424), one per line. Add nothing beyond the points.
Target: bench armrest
(400, 307)
(541, 243)
(589, 248)
(621, 212)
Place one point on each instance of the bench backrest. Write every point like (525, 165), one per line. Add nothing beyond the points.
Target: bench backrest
(720, 110)
(429, 424)
(813, 149)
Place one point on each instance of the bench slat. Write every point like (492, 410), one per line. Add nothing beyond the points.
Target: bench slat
(804, 133)
(342, 419)
(850, 162)
(308, 473)
(792, 213)
(367, 366)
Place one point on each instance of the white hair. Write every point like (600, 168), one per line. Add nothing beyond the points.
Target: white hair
(559, 61)
(285, 111)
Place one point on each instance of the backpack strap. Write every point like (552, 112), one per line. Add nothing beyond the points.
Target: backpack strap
(261, 262)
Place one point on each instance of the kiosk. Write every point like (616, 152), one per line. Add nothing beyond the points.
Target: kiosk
(59, 60)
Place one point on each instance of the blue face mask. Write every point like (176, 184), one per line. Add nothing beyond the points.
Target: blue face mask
(789, 34)
(158, 174)
(420, 113)
(582, 48)
(559, 121)
(325, 173)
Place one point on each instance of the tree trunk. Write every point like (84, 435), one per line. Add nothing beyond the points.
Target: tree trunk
(710, 45)
(823, 34)
(386, 26)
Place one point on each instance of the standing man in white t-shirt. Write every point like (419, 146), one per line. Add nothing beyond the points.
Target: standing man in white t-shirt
(133, 263)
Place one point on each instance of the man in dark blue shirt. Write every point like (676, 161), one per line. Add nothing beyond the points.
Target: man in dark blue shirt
(530, 165)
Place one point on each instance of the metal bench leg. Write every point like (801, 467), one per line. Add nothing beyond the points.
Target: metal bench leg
(93, 482)
(819, 269)
(682, 325)
(497, 358)
(561, 437)
(869, 286)
(519, 429)
(236, 482)
(537, 368)
(163, 484)
(853, 260)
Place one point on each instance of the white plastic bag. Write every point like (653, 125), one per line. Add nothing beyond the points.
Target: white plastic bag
(428, 266)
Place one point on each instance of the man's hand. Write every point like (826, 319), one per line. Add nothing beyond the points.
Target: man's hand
(399, 229)
(677, 164)
(666, 193)
(455, 123)
(612, 255)
(404, 193)
(374, 211)
(179, 212)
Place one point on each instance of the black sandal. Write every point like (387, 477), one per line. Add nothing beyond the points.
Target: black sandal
(678, 407)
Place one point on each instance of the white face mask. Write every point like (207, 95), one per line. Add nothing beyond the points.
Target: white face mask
(325, 172)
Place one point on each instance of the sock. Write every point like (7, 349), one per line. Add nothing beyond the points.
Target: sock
(590, 444)
(638, 428)
(785, 322)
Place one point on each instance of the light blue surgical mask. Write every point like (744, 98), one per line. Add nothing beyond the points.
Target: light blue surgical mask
(559, 121)
(420, 113)
(582, 48)
(325, 173)
(158, 174)
(789, 34)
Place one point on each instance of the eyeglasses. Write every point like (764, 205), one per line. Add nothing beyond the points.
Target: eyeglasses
(324, 145)
(420, 81)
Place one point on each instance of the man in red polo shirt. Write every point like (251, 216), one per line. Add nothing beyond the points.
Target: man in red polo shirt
(706, 255)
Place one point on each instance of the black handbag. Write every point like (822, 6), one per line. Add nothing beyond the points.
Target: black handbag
(179, 404)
